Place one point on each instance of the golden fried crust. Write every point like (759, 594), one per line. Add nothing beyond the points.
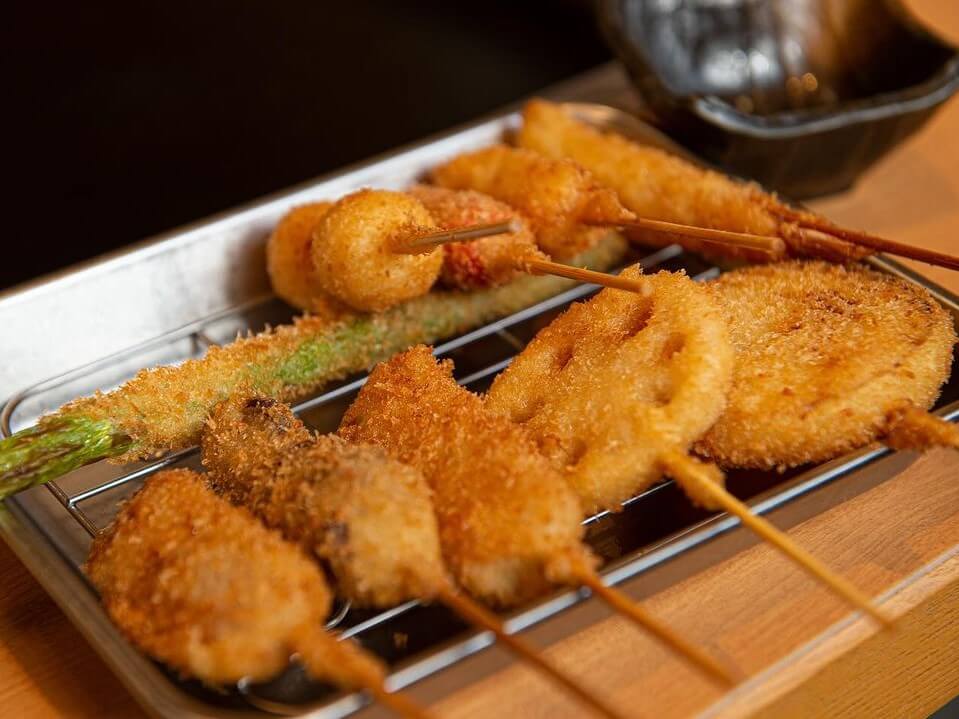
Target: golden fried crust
(288, 260)
(353, 250)
(487, 262)
(557, 196)
(614, 383)
(824, 355)
(204, 587)
(370, 517)
(507, 520)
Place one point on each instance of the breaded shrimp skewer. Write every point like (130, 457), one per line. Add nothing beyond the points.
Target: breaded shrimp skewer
(369, 517)
(509, 524)
(202, 586)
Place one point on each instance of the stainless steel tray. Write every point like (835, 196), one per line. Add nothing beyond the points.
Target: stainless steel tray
(169, 299)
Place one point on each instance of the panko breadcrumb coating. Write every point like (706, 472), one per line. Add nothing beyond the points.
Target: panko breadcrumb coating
(288, 260)
(617, 382)
(353, 250)
(557, 196)
(368, 516)
(489, 261)
(659, 186)
(827, 357)
(205, 588)
(509, 524)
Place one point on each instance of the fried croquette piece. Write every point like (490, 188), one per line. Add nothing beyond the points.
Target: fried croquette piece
(659, 186)
(557, 196)
(288, 260)
(615, 383)
(509, 525)
(825, 356)
(353, 250)
(368, 516)
(487, 262)
(202, 586)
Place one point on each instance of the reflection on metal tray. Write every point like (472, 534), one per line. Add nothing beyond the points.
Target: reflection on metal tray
(50, 527)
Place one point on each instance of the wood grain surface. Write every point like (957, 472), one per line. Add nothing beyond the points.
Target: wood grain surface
(804, 653)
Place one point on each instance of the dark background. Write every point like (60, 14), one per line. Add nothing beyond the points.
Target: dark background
(126, 119)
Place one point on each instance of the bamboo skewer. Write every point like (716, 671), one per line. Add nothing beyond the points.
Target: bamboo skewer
(690, 473)
(481, 617)
(765, 243)
(636, 613)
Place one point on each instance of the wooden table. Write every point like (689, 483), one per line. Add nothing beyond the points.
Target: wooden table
(803, 653)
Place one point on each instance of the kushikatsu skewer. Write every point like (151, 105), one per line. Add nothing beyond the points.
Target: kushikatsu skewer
(204, 587)
(510, 526)
(368, 517)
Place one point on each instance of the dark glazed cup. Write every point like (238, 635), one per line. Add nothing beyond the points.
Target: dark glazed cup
(801, 95)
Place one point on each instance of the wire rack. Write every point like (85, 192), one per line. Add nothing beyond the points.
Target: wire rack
(653, 528)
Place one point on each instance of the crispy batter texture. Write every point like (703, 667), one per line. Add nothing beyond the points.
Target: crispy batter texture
(205, 588)
(659, 186)
(288, 260)
(825, 355)
(353, 250)
(616, 382)
(368, 516)
(556, 195)
(487, 262)
(509, 525)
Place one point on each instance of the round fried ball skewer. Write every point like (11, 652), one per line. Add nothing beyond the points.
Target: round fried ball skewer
(369, 517)
(828, 359)
(288, 260)
(616, 391)
(557, 196)
(353, 250)
(205, 588)
(509, 525)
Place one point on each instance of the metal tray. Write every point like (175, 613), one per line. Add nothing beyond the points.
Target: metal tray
(168, 300)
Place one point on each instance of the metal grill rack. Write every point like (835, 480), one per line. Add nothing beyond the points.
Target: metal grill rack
(437, 639)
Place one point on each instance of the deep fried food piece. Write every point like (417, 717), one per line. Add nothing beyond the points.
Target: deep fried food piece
(370, 517)
(614, 384)
(557, 196)
(659, 186)
(826, 356)
(353, 250)
(288, 260)
(205, 588)
(487, 262)
(509, 525)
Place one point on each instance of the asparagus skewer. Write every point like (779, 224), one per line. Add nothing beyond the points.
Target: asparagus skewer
(163, 409)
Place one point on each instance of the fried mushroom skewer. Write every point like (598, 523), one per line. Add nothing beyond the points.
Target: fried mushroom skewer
(202, 586)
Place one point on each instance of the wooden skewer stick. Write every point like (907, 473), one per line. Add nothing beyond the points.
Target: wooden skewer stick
(636, 613)
(688, 472)
(765, 243)
(481, 617)
(423, 243)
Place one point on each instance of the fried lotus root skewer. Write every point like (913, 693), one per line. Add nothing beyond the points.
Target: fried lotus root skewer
(509, 526)
(659, 186)
(558, 197)
(369, 517)
(205, 588)
(828, 359)
(615, 382)
(617, 389)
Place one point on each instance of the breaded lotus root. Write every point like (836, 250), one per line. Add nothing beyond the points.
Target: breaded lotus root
(556, 196)
(616, 383)
(288, 260)
(353, 250)
(509, 525)
(368, 516)
(659, 186)
(489, 261)
(827, 358)
(202, 586)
